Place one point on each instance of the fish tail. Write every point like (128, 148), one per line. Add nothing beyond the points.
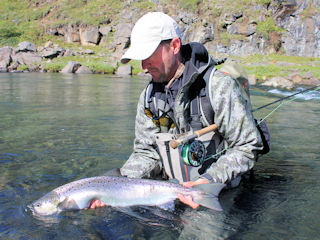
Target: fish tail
(210, 197)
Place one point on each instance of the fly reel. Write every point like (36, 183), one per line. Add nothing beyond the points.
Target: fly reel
(193, 153)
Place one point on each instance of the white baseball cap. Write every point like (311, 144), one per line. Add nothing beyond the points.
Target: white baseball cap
(147, 34)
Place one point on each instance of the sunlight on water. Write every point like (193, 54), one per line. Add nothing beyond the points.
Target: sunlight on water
(309, 95)
(58, 128)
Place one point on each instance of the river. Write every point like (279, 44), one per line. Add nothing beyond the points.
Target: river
(57, 128)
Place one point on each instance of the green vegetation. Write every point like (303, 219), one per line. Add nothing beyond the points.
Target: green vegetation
(9, 35)
(263, 2)
(226, 38)
(100, 67)
(266, 27)
(96, 65)
(190, 4)
(310, 11)
(54, 66)
(23, 68)
(268, 65)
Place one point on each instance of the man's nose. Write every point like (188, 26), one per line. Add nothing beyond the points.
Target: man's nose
(145, 63)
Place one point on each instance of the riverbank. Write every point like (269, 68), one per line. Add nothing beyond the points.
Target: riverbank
(269, 70)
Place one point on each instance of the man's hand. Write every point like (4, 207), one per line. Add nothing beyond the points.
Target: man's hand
(188, 199)
(96, 203)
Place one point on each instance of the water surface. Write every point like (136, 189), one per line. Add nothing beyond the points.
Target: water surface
(58, 128)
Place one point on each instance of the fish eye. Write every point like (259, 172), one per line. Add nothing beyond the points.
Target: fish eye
(38, 205)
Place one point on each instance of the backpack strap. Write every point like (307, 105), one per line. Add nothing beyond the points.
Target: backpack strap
(201, 112)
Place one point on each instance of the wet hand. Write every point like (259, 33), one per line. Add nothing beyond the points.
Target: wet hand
(96, 203)
(188, 199)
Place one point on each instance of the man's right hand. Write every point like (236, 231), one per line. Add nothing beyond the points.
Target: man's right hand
(96, 203)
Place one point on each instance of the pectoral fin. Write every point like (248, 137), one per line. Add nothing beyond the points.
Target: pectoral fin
(68, 204)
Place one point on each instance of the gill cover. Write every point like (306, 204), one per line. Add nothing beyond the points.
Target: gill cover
(47, 205)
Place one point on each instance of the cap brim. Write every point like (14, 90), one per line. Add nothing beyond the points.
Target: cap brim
(140, 51)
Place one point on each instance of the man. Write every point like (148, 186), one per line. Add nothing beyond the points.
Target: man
(182, 75)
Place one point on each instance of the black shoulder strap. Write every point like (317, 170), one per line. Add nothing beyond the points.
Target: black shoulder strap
(200, 106)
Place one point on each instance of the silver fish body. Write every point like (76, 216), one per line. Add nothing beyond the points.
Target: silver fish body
(121, 192)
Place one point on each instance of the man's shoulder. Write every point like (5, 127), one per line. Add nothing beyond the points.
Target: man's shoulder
(219, 78)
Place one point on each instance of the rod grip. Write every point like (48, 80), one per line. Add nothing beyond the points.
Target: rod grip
(205, 130)
(175, 143)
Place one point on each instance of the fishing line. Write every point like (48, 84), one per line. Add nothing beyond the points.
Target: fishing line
(315, 88)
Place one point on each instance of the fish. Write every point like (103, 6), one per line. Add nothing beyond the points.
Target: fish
(122, 192)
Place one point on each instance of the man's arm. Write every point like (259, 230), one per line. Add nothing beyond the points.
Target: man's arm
(237, 127)
(144, 160)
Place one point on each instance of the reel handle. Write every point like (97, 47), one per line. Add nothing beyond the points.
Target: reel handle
(175, 143)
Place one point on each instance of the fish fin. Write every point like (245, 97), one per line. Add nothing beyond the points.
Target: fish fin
(210, 197)
(115, 172)
(169, 206)
(131, 213)
(68, 204)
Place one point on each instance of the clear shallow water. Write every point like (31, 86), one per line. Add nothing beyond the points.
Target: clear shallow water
(58, 128)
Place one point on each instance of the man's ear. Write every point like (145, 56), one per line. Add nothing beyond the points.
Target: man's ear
(176, 45)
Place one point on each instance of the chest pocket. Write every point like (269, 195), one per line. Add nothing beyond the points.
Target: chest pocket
(157, 108)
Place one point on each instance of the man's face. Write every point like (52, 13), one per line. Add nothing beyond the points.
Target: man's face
(162, 64)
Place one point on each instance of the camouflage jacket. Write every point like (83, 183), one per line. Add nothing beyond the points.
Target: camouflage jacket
(232, 114)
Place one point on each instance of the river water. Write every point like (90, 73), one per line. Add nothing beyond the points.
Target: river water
(58, 128)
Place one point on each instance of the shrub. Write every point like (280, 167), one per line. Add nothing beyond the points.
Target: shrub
(267, 27)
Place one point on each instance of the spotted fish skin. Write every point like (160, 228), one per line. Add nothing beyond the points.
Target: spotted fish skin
(120, 192)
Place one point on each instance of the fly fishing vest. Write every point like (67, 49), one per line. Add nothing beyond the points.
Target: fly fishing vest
(182, 163)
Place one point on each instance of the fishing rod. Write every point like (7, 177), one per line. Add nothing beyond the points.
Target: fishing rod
(283, 98)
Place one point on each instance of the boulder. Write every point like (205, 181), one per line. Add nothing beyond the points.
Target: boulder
(71, 67)
(72, 35)
(87, 52)
(246, 28)
(252, 79)
(52, 52)
(5, 58)
(30, 59)
(26, 47)
(308, 75)
(48, 44)
(83, 70)
(89, 36)
(124, 70)
(122, 34)
(278, 82)
(68, 53)
(105, 30)
(296, 78)
(202, 34)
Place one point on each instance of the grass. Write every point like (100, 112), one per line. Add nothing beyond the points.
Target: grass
(190, 4)
(266, 27)
(268, 65)
(96, 64)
